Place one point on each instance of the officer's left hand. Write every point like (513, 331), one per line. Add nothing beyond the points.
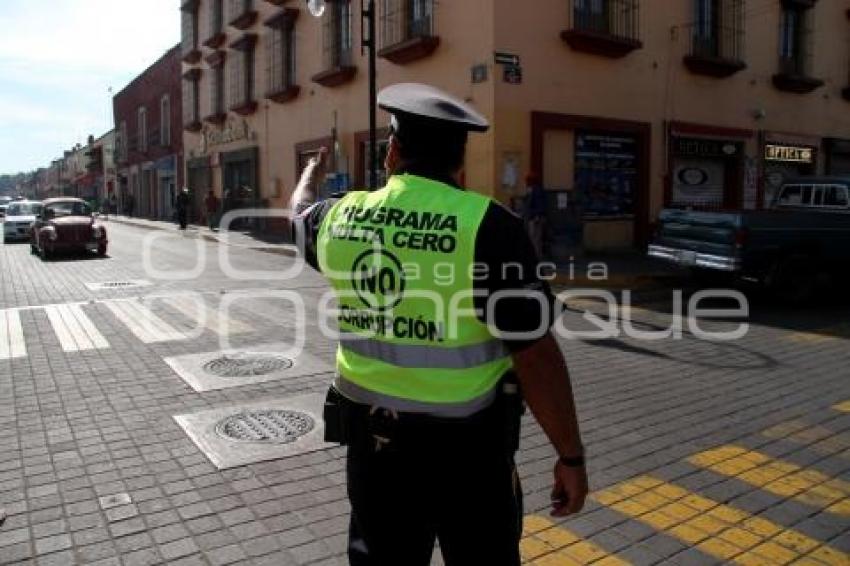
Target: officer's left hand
(570, 490)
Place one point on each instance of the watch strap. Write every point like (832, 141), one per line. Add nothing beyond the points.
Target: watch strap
(572, 461)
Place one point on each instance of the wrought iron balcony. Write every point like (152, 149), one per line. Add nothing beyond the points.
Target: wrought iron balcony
(716, 52)
(603, 27)
(407, 30)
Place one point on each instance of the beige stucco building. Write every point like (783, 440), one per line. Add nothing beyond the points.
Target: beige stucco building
(622, 106)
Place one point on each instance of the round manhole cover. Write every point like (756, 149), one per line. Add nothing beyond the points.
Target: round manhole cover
(277, 426)
(247, 365)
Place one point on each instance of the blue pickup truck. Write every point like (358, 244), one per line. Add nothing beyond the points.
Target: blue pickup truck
(796, 246)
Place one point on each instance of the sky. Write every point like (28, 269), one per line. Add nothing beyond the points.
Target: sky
(58, 60)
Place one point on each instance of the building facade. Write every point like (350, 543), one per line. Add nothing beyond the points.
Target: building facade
(101, 167)
(623, 107)
(148, 140)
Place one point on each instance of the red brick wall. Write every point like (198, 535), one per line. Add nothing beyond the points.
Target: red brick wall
(147, 90)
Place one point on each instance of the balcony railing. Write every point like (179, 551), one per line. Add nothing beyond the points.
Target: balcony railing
(407, 30)
(280, 57)
(717, 40)
(603, 27)
(337, 52)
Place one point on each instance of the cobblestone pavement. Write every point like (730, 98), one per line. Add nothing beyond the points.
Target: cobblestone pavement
(699, 452)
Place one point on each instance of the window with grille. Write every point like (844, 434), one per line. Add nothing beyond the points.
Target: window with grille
(122, 141)
(615, 18)
(191, 103)
(189, 31)
(241, 78)
(165, 120)
(795, 40)
(280, 45)
(402, 20)
(217, 91)
(718, 29)
(216, 18)
(142, 131)
(337, 40)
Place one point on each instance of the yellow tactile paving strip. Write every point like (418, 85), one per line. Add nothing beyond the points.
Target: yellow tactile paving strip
(816, 438)
(718, 530)
(544, 543)
(820, 335)
(778, 477)
(844, 406)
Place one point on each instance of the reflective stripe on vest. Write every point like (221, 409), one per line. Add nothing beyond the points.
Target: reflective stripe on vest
(415, 356)
(365, 396)
(386, 253)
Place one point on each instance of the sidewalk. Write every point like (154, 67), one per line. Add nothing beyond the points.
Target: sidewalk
(629, 270)
(259, 242)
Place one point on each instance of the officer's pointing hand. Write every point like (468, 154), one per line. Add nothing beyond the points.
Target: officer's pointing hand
(570, 490)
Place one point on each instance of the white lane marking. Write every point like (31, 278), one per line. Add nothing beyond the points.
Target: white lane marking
(141, 321)
(195, 309)
(12, 343)
(74, 329)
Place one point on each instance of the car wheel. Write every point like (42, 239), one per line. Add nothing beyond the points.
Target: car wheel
(45, 254)
(101, 251)
(33, 249)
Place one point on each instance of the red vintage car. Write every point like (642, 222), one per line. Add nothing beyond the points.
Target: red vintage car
(67, 225)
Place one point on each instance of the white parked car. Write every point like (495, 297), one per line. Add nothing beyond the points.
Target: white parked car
(20, 216)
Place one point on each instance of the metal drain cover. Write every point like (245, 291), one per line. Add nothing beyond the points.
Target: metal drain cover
(247, 364)
(280, 426)
(258, 431)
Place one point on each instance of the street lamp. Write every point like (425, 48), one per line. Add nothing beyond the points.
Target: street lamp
(367, 14)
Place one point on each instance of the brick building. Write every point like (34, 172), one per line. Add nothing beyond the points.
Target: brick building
(148, 139)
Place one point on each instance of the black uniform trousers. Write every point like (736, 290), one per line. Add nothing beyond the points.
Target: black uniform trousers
(455, 482)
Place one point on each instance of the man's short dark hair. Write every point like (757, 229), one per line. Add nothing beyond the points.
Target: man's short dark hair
(430, 145)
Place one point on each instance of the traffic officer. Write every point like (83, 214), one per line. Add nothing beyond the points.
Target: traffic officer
(443, 321)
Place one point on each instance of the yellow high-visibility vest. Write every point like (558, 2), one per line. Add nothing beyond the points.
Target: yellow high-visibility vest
(400, 261)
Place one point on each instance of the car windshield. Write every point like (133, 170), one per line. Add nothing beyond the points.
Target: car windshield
(24, 209)
(69, 208)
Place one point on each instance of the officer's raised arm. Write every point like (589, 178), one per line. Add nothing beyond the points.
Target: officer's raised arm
(307, 190)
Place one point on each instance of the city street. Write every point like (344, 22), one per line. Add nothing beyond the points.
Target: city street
(698, 452)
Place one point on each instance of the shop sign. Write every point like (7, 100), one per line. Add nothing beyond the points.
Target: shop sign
(690, 147)
(788, 153)
(233, 130)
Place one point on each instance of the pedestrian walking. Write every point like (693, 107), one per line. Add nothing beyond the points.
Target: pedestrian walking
(131, 203)
(183, 208)
(429, 405)
(212, 205)
(535, 211)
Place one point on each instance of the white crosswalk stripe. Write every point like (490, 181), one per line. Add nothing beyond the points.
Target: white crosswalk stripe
(205, 317)
(142, 322)
(74, 329)
(77, 332)
(12, 343)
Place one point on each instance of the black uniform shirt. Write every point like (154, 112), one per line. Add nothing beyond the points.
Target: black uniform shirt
(503, 246)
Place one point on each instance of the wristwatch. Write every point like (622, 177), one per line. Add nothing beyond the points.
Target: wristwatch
(572, 461)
